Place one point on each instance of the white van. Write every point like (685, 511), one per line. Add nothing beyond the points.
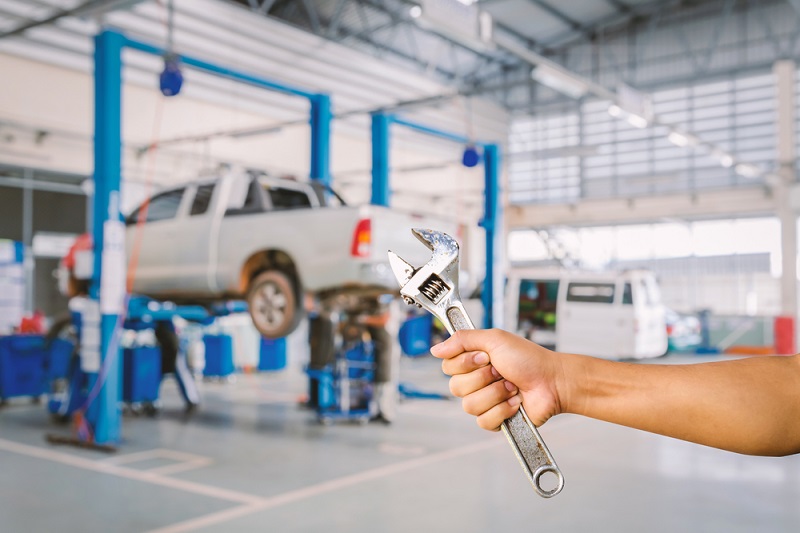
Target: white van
(608, 315)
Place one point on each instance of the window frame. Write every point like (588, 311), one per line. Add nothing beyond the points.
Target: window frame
(209, 203)
(263, 204)
(132, 218)
(609, 300)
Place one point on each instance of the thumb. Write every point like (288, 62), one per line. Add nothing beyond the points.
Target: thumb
(466, 340)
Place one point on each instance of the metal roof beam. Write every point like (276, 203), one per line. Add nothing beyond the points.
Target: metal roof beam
(313, 16)
(641, 15)
(622, 8)
(342, 32)
(91, 7)
(263, 7)
(563, 17)
(397, 18)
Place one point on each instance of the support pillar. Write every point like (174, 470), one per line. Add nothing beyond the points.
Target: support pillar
(105, 413)
(492, 224)
(27, 239)
(784, 71)
(381, 193)
(321, 138)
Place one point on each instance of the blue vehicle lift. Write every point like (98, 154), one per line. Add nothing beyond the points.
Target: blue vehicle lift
(109, 44)
(492, 221)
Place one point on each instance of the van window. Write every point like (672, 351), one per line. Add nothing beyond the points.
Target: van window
(627, 294)
(162, 206)
(600, 293)
(537, 304)
(287, 198)
(202, 199)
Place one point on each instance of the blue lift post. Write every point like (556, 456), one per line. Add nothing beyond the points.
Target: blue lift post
(107, 175)
(492, 214)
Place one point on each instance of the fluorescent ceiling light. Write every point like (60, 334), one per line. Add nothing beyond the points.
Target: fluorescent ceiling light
(633, 119)
(636, 121)
(682, 139)
(725, 159)
(415, 12)
(748, 170)
(560, 80)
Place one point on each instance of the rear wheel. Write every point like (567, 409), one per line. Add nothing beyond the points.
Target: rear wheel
(274, 304)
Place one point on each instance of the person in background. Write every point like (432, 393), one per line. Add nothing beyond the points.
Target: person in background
(750, 406)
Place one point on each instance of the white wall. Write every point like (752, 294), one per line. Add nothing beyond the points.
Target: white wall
(58, 100)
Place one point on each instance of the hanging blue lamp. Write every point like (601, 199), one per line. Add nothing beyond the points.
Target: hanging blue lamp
(471, 156)
(171, 79)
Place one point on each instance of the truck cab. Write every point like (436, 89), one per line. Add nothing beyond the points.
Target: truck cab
(247, 235)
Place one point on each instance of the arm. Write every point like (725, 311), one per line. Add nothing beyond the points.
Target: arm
(749, 406)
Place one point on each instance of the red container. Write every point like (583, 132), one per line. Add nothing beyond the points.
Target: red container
(785, 342)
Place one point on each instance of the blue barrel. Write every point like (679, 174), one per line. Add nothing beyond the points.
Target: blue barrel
(219, 355)
(415, 335)
(273, 354)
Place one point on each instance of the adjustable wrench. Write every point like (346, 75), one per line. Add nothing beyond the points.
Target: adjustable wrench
(434, 286)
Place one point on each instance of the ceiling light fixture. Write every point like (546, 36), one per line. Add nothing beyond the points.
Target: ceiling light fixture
(560, 80)
(679, 138)
(747, 170)
(725, 159)
(636, 121)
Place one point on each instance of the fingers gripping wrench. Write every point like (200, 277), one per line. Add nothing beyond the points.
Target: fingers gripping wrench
(434, 286)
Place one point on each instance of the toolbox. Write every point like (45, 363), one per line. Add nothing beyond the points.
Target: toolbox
(23, 360)
(273, 354)
(141, 375)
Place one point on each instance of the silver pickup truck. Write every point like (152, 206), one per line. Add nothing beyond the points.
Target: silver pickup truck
(267, 240)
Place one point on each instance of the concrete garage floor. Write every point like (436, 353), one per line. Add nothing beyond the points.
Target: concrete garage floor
(251, 460)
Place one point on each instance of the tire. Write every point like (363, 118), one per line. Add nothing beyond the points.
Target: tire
(274, 304)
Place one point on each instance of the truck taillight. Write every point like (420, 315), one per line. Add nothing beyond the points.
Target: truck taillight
(362, 238)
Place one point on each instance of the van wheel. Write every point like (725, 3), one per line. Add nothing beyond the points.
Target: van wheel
(274, 305)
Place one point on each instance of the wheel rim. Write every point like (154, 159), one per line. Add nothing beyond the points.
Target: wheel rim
(270, 304)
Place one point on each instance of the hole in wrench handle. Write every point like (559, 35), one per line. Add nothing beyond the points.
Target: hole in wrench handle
(458, 319)
(532, 452)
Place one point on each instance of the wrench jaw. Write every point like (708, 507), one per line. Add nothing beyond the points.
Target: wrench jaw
(434, 286)
(401, 269)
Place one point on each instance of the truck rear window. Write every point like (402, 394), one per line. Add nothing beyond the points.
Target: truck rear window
(287, 198)
(162, 206)
(599, 293)
(202, 199)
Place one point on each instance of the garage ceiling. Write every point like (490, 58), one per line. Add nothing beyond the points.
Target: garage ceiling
(385, 28)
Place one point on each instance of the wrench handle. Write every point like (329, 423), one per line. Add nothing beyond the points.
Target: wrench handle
(522, 435)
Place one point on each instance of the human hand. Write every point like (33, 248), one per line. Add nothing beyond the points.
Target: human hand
(494, 371)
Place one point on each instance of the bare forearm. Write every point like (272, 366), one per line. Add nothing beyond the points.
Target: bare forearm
(749, 406)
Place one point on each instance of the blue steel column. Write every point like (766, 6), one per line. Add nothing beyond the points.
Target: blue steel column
(107, 165)
(492, 223)
(380, 158)
(321, 138)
